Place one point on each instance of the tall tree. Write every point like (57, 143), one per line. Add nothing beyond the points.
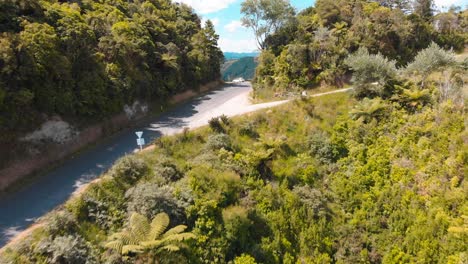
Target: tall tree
(429, 60)
(424, 8)
(216, 56)
(265, 17)
(400, 4)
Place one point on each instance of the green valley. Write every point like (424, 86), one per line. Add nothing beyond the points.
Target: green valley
(241, 68)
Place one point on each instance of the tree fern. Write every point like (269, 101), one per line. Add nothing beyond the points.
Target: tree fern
(368, 109)
(141, 236)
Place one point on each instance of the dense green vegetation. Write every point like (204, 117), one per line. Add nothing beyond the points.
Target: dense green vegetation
(244, 67)
(373, 176)
(368, 178)
(83, 60)
(309, 49)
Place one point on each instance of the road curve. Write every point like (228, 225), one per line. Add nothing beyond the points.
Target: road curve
(20, 209)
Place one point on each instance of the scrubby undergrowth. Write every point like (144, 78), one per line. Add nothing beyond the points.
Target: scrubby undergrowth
(313, 181)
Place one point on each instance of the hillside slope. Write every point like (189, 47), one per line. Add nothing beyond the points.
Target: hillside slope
(334, 179)
(239, 55)
(69, 65)
(241, 68)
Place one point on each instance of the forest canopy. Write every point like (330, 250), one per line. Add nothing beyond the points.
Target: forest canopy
(85, 59)
(309, 49)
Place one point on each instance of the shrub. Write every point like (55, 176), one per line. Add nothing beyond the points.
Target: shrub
(237, 225)
(371, 73)
(61, 223)
(225, 119)
(430, 60)
(248, 129)
(103, 202)
(209, 183)
(244, 259)
(129, 169)
(218, 141)
(312, 199)
(167, 169)
(149, 199)
(216, 125)
(77, 207)
(98, 211)
(66, 249)
(322, 148)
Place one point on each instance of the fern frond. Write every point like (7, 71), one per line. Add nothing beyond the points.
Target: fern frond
(180, 237)
(139, 226)
(115, 245)
(175, 230)
(127, 249)
(152, 244)
(171, 248)
(158, 225)
(128, 238)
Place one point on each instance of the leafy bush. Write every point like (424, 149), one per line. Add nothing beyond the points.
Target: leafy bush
(216, 125)
(167, 169)
(237, 224)
(321, 147)
(97, 211)
(169, 173)
(225, 119)
(149, 199)
(61, 223)
(371, 73)
(103, 202)
(129, 169)
(430, 60)
(312, 199)
(300, 169)
(244, 259)
(66, 249)
(248, 129)
(219, 186)
(218, 141)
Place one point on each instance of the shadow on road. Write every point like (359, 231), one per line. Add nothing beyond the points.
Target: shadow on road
(20, 209)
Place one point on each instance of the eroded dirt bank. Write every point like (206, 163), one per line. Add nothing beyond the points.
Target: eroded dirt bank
(56, 151)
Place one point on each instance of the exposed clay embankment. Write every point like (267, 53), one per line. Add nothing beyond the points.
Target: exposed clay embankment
(54, 151)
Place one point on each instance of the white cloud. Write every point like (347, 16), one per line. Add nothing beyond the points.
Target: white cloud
(207, 6)
(237, 45)
(233, 26)
(445, 4)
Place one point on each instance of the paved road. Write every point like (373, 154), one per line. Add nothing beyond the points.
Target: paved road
(20, 209)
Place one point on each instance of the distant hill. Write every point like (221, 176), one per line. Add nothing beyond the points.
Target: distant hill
(235, 55)
(244, 67)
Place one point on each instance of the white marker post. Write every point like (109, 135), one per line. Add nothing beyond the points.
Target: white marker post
(140, 140)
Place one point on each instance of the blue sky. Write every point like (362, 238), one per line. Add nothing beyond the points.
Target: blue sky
(226, 16)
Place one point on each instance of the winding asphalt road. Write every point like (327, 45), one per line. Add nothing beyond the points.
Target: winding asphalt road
(20, 209)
